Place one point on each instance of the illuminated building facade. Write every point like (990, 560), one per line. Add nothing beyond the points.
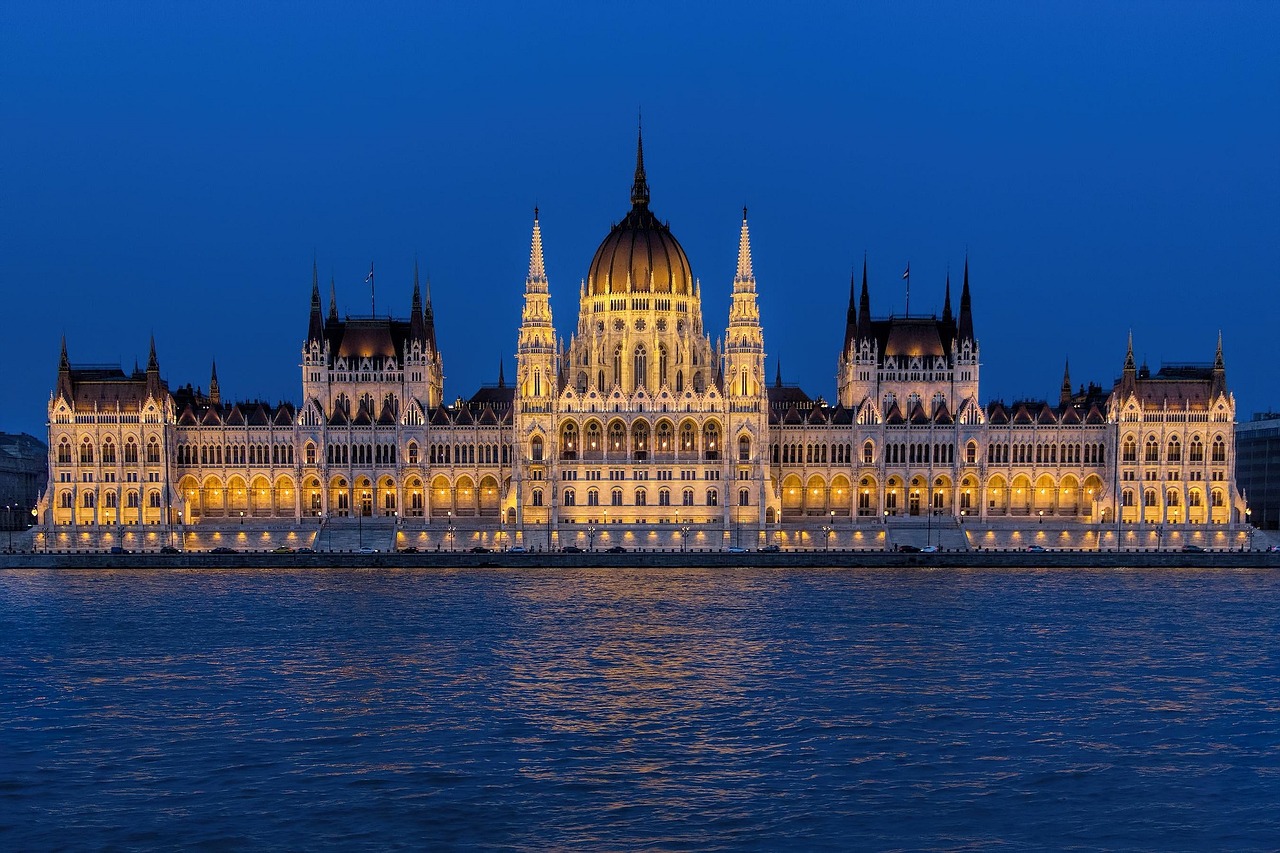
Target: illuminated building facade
(643, 423)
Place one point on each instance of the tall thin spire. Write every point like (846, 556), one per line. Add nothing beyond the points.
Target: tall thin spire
(315, 325)
(1064, 395)
(744, 254)
(777, 379)
(64, 363)
(1129, 365)
(864, 307)
(152, 363)
(429, 317)
(215, 396)
(537, 267)
(502, 380)
(333, 300)
(964, 330)
(1219, 386)
(64, 373)
(851, 317)
(417, 329)
(1217, 359)
(946, 302)
(640, 188)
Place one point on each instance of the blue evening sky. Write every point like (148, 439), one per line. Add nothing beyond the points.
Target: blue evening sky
(172, 168)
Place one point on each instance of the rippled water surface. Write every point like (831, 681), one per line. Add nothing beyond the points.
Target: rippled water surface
(656, 709)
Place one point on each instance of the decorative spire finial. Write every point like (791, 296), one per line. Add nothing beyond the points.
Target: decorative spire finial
(537, 267)
(640, 188)
(744, 253)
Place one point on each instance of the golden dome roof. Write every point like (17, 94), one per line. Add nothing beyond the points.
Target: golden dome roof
(640, 255)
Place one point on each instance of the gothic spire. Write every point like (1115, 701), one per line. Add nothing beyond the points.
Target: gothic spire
(429, 318)
(152, 363)
(315, 327)
(537, 267)
(1064, 395)
(333, 301)
(64, 363)
(502, 381)
(851, 317)
(1129, 366)
(215, 396)
(946, 302)
(1219, 371)
(64, 373)
(640, 187)
(1217, 359)
(965, 323)
(417, 329)
(744, 273)
(777, 379)
(864, 306)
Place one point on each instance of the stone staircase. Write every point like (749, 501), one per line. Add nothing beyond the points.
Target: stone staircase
(350, 535)
(946, 533)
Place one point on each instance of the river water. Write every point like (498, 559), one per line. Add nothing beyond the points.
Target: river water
(657, 709)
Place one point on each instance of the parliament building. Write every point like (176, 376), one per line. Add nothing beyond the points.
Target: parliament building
(642, 431)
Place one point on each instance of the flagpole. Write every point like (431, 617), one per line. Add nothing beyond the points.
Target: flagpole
(907, 276)
(373, 305)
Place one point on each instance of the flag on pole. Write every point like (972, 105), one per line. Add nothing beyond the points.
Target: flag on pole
(369, 278)
(373, 305)
(905, 273)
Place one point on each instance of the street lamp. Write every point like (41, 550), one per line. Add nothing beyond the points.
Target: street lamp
(1042, 516)
(591, 538)
(8, 523)
(684, 535)
(449, 528)
(826, 536)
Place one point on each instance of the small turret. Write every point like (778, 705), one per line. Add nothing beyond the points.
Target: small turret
(946, 303)
(64, 374)
(215, 395)
(1064, 395)
(417, 328)
(964, 327)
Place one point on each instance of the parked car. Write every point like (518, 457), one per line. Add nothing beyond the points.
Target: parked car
(283, 549)
(409, 550)
(616, 549)
(367, 550)
(517, 549)
(909, 549)
(480, 549)
(116, 549)
(1192, 549)
(222, 549)
(305, 551)
(168, 549)
(1036, 548)
(734, 549)
(770, 549)
(929, 549)
(571, 549)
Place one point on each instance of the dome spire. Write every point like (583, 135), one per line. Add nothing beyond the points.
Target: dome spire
(640, 188)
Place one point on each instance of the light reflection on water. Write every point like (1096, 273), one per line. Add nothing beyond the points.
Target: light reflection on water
(663, 709)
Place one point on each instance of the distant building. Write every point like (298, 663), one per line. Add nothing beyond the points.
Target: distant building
(1258, 468)
(647, 419)
(24, 472)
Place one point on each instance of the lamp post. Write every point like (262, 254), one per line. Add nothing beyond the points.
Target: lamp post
(833, 527)
(8, 523)
(1041, 516)
(448, 529)
(826, 536)
(1159, 536)
(591, 538)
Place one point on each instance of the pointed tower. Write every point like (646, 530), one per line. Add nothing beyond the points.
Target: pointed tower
(965, 353)
(155, 387)
(964, 329)
(536, 369)
(426, 366)
(851, 317)
(1064, 393)
(417, 326)
(857, 377)
(333, 301)
(744, 339)
(65, 390)
(215, 396)
(1219, 387)
(315, 325)
(946, 303)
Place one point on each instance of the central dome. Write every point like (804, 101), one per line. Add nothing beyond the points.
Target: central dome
(640, 255)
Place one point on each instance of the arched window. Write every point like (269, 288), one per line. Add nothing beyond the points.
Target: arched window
(1126, 498)
(971, 453)
(1218, 498)
(570, 499)
(153, 500)
(617, 364)
(153, 452)
(88, 500)
(744, 497)
(679, 381)
(593, 498)
(640, 364)
(640, 439)
(131, 500)
(1129, 449)
(413, 453)
(600, 381)
(1197, 449)
(1149, 498)
(642, 497)
(536, 498)
(1152, 452)
(64, 452)
(713, 497)
(868, 453)
(582, 382)
(744, 448)
(131, 452)
(662, 365)
(711, 440)
(65, 500)
(1219, 449)
(569, 441)
(686, 497)
(1175, 450)
(616, 435)
(109, 500)
(535, 449)
(615, 497)
(86, 452)
(664, 497)
(593, 438)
